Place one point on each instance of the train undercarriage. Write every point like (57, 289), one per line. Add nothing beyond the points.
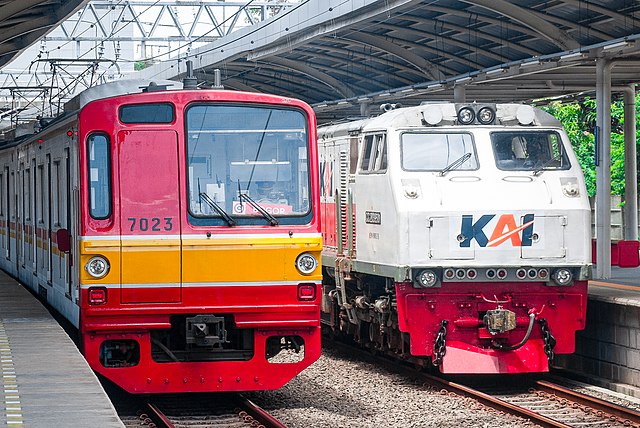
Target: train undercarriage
(460, 328)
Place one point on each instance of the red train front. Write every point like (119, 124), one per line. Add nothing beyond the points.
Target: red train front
(188, 254)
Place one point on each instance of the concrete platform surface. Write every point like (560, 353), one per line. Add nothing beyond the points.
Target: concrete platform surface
(45, 380)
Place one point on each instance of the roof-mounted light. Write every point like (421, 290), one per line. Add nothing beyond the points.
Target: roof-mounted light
(486, 115)
(432, 115)
(483, 114)
(525, 115)
(466, 116)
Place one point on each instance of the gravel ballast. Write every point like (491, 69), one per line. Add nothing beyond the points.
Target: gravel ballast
(344, 391)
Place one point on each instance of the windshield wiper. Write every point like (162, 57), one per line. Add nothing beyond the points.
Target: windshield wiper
(542, 167)
(455, 164)
(272, 220)
(214, 205)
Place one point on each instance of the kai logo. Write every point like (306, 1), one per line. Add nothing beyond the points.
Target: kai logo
(505, 230)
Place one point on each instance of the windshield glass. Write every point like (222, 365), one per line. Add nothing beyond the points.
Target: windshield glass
(529, 151)
(435, 152)
(259, 151)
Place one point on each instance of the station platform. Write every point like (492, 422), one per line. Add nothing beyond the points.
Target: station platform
(608, 349)
(45, 380)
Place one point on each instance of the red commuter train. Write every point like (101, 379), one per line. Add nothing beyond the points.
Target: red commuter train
(178, 230)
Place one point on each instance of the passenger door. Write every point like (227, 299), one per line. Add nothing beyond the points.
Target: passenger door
(149, 216)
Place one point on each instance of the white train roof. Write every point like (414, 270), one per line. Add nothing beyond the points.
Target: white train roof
(112, 89)
(440, 114)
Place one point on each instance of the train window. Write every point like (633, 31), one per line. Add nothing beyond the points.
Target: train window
(56, 192)
(374, 154)
(353, 155)
(147, 113)
(41, 202)
(26, 195)
(529, 151)
(438, 151)
(98, 152)
(259, 151)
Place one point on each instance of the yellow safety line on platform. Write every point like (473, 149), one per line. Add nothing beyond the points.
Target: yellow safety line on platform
(618, 286)
(13, 407)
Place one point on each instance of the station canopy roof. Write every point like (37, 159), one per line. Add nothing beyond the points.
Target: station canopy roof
(338, 55)
(24, 22)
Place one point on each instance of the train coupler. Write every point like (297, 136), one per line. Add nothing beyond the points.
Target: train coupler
(499, 320)
(206, 331)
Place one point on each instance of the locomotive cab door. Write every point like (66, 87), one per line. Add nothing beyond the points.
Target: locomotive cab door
(149, 217)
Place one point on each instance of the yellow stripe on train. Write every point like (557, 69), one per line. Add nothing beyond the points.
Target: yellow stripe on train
(246, 258)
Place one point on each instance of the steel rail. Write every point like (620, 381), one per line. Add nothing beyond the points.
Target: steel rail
(158, 417)
(623, 413)
(249, 412)
(259, 414)
(494, 402)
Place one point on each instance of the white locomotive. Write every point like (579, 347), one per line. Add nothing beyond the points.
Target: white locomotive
(459, 232)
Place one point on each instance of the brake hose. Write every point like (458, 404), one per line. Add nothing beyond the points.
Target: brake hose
(532, 318)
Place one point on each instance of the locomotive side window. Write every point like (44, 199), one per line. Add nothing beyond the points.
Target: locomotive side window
(374, 154)
(438, 151)
(529, 151)
(240, 151)
(147, 113)
(353, 155)
(98, 149)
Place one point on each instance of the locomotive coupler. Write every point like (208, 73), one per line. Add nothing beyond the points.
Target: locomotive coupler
(206, 331)
(499, 320)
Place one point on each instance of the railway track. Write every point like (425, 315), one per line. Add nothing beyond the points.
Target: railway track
(542, 402)
(547, 404)
(203, 410)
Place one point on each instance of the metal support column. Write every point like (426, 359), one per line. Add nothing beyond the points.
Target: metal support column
(459, 94)
(365, 108)
(603, 168)
(630, 166)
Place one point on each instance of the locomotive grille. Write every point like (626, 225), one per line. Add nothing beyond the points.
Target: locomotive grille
(344, 200)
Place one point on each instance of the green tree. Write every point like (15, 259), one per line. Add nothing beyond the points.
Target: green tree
(579, 121)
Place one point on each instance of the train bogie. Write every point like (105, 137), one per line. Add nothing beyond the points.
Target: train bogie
(459, 233)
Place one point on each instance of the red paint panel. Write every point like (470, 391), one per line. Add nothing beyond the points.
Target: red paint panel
(256, 374)
(420, 312)
(329, 224)
(149, 205)
(266, 303)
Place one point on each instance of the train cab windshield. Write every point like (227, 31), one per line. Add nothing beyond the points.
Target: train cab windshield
(535, 151)
(247, 164)
(438, 152)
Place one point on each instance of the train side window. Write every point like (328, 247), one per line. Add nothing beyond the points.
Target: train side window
(353, 155)
(147, 113)
(42, 182)
(98, 150)
(366, 153)
(55, 201)
(26, 195)
(374, 154)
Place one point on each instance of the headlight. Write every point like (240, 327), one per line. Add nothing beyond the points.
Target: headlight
(97, 266)
(306, 263)
(427, 279)
(486, 116)
(466, 115)
(570, 186)
(562, 276)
